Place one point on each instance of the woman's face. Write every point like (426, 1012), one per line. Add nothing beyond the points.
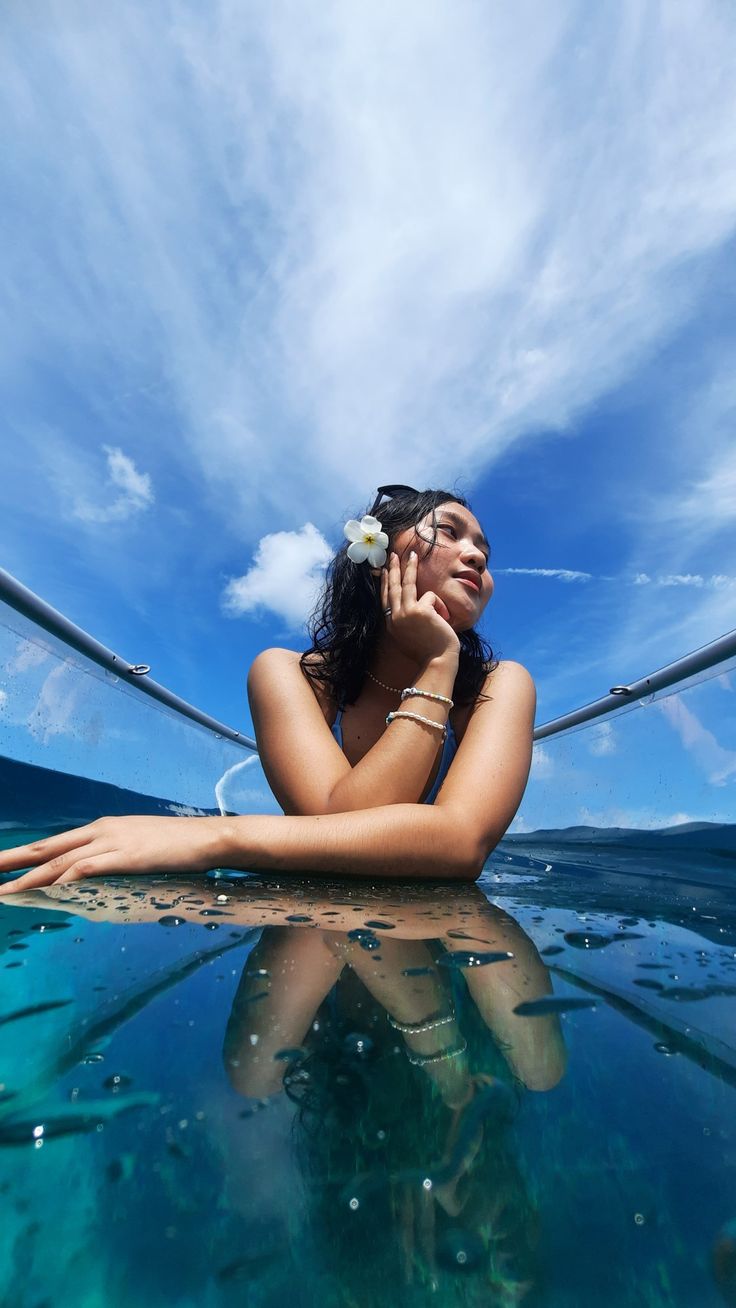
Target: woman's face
(457, 568)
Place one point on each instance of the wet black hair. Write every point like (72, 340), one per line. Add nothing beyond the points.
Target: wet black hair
(347, 620)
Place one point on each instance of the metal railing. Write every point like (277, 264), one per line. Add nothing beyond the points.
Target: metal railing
(17, 596)
(24, 601)
(707, 658)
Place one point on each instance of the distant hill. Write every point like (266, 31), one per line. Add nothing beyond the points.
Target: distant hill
(705, 837)
(37, 797)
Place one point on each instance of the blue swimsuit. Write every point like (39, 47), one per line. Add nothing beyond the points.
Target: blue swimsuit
(449, 750)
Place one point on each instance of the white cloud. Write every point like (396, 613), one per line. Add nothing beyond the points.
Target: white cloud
(286, 576)
(637, 819)
(62, 709)
(3, 698)
(396, 239)
(601, 739)
(518, 826)
(130, 489)
(28, 655)
(717, 581)
(562, 574)
(717, 762)
(543, 765)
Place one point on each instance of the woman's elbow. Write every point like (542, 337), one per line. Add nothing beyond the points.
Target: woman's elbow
(468, 862)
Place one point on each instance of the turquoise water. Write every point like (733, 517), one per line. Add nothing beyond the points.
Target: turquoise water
(204, 1101)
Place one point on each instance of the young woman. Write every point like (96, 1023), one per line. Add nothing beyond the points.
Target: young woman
(396, 745)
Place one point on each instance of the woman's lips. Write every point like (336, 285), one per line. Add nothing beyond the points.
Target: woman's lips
(470, 584)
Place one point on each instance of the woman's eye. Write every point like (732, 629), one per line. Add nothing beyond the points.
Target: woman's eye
(446, 526)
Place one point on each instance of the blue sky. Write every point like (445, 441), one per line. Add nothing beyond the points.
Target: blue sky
(258, 260)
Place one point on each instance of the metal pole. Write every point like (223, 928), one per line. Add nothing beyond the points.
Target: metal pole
(709, 656)
(23, 600)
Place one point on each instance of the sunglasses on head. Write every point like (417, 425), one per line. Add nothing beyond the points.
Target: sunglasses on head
(390, 492)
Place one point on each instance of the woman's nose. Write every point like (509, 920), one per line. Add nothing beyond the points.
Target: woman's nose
(473, 557)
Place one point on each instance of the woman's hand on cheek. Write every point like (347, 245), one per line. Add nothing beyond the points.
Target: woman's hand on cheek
(115, 845)
(421, 626)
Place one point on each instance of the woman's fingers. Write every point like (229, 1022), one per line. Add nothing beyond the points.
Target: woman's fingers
(40, 851)
(409, 582)
(94, 865)
(65, 867)
(438, 605)
(394, 584)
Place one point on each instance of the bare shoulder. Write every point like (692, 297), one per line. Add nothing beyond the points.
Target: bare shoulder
(275, 668)
(509, 673)
(272, 662)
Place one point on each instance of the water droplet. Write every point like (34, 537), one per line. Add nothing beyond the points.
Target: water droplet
(639, 1219)
(117, 1081)
(366, 939)
(354, 1203)
(171, 921)
(457, 1248)
(355, 1043)
(464, 958)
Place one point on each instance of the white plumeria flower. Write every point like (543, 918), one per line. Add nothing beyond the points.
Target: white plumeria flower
(368, 541)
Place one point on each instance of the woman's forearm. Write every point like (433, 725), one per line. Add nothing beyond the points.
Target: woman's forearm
(396, 769)
(399, 840)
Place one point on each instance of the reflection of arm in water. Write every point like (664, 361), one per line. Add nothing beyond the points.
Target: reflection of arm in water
(285, 979)
(303, 963)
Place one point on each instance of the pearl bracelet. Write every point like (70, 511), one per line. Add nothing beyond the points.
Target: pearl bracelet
(426, 1060)
(408, 691)
(429, 1023)
(417, 717)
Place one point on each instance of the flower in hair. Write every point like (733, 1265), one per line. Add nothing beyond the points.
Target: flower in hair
(367, 541)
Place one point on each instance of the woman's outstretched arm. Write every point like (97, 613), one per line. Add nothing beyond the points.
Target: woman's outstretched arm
(448, 839)
(401, 840)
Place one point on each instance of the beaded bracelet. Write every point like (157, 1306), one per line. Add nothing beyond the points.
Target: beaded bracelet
(425, 1060)
(429, 1023)
(417, 717)
(408, 691)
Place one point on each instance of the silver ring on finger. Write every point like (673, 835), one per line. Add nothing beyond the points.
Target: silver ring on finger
(387, 613)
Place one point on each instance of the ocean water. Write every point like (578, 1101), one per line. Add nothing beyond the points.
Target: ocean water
(204, 1101)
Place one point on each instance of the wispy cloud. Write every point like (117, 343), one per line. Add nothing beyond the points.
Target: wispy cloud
(560, 574)
(717, 762)
(634, 819)
(125, 493)
(397, 256)
(285, 577)
(543, 764)
(601, 740)
(717, 581)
